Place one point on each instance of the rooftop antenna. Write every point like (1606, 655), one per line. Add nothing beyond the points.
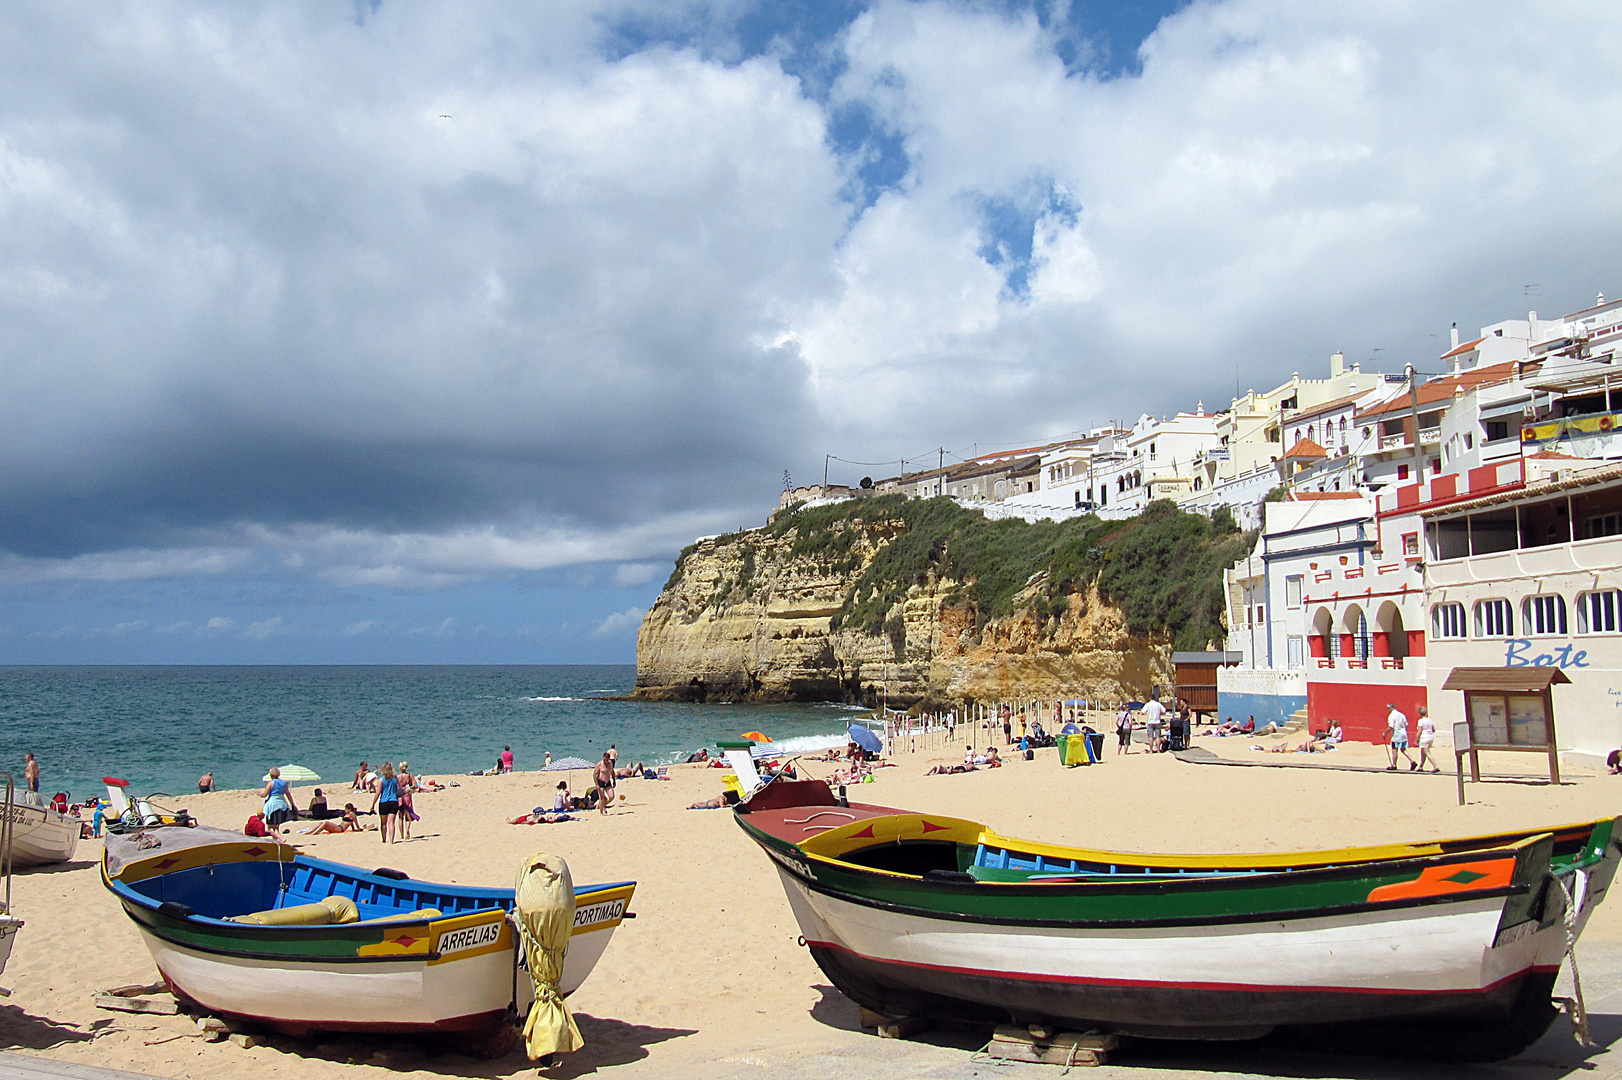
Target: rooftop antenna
(1528, 290)
(788, 481)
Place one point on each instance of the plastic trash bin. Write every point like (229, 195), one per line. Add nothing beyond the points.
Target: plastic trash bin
(1075, 751)
(1060, 741)
(1095, 745)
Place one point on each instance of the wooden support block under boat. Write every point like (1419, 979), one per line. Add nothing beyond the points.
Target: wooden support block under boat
(893, 1027)
(1064, 1048)
(122, 1003)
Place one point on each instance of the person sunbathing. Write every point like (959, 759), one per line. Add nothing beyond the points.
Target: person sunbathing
(349, 821)
(993, 761)
(541, 816)
(946, 770)
(720, 802)
(628, 771)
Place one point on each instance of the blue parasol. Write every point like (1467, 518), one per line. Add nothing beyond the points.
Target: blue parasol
(1134, 706)
(864, 738)
(1070, 729)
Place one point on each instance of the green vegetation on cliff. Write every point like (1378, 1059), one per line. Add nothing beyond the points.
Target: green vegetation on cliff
(1163, 568)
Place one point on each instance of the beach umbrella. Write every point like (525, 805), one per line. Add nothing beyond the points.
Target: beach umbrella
(1070, 729)
(569, 764)
(295, 774)
(865, 738)
(1134, 706)
(755, 736)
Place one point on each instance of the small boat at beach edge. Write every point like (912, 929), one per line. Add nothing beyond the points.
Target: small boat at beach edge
(1447, 949)
(415, 958)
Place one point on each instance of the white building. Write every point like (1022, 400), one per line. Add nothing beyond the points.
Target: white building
(1533, 577)
(1157, 462)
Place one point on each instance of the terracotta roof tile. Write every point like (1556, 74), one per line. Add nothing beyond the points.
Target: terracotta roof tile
(1306, 448)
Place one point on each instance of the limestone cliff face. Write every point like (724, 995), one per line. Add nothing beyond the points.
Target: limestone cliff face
(748, 618)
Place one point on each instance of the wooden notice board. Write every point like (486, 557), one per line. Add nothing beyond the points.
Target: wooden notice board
(1508, 709)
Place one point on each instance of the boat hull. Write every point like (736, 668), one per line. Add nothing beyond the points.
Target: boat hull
(40, 836)
(1447, 949)
(9, 925)
(424, 958)
(1247, 977)
(428, 989)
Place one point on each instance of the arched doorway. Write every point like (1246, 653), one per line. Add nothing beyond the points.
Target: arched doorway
(1391, 637)
(1354, 636)
(1322, 640)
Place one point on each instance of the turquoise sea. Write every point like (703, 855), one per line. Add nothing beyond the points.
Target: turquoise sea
(162, 727)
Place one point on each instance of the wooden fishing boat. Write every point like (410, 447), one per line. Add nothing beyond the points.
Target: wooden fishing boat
(1448, 948)
(40, 834)
(9, 923)
(422, 958)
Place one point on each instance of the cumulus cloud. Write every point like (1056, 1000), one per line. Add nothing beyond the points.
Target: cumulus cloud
(620, 622)
(433, 295)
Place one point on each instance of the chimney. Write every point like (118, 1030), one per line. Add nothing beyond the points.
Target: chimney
(1337, 364)
(1455, 337)
(1532, 320)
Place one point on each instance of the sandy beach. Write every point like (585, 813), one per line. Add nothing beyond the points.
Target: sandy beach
(709, 978)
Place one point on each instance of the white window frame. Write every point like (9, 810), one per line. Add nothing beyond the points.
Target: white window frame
(1599, 611)
(1544, 615)
(1448, 622)
(1294, 586)
(1494, 618)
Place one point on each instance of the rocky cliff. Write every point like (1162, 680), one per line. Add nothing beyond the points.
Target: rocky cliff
(934, 603)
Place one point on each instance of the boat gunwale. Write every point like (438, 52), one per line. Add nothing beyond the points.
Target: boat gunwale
(1295, 860)
(132, 901)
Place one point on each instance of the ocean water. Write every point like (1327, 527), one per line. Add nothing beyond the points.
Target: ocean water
(163, 727)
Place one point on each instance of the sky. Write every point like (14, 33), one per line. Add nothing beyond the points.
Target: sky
(431, 333)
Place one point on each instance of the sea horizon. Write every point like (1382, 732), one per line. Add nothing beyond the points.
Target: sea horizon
(161, 726)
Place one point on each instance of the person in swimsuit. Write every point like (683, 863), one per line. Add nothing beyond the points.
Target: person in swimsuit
(348, 821)
(31, 771)
(278, 798)
(386, 801)
(603, 776)
(205, 783)
(361, 776)
(408, 812)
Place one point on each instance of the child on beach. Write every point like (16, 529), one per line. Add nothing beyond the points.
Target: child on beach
(408, 812)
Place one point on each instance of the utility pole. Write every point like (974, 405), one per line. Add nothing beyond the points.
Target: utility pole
(825, 459)
(1413, 412)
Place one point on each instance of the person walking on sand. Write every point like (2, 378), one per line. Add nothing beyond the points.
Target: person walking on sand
(1396, 723)
(31, 771)
(278, 796)
(1427, 738)
(408, 809)
(506, 759)
(1123, 730)
(386, 801)
(603, 777)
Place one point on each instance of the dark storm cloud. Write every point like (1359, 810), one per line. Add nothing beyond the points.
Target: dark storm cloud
(403, 295)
